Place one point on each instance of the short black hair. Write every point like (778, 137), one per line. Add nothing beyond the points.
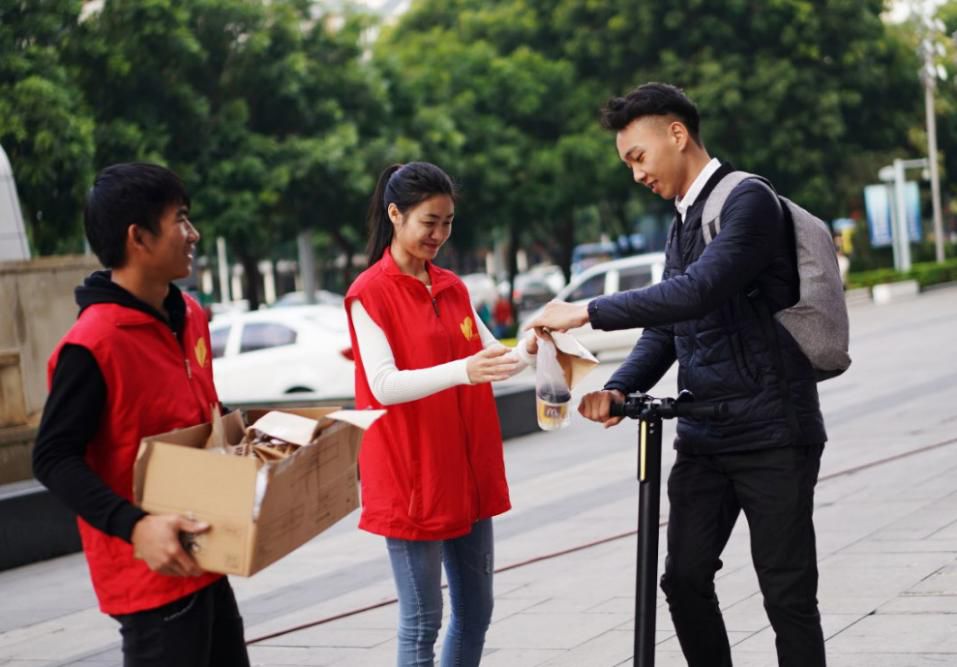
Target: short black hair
(652, 99)
(129, 193)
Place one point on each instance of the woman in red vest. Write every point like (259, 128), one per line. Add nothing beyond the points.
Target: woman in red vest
(432, 468)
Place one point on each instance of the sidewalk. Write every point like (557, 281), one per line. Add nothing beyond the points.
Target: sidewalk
(887, 541)
(888, 589)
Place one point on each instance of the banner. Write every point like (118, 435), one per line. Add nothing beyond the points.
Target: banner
(881, 210)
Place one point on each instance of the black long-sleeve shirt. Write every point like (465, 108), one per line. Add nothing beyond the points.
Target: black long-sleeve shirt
(72, 414)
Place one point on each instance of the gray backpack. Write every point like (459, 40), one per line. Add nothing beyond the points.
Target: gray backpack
(818, 321)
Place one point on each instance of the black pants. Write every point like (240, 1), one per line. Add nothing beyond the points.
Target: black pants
(203, 629)
(775, 489)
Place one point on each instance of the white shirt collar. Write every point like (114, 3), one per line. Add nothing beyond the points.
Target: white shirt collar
(684, 203)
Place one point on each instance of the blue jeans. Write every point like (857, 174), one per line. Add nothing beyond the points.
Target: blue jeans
(417, 567)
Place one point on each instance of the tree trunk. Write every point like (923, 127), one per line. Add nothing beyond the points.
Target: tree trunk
(252, 277)
(513, 239)
(349, 250)
(566, 244)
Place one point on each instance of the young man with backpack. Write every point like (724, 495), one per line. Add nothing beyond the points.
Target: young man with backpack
(732, 281)
(137, 362)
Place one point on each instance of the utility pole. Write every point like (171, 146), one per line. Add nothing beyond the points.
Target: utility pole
(307, 265)
(223, 265)
(930, 49)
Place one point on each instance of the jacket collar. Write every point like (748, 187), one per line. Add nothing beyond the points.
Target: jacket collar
(99, 288)
(439, 277)
(695, 210)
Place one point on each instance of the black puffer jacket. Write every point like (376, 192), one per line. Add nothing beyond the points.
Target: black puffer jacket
(713, 314)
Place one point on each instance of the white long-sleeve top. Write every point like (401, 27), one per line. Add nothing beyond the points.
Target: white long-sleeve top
(389, 385)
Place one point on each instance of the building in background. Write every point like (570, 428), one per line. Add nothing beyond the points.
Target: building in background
(13, 237)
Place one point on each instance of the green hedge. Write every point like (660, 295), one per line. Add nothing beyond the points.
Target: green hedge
(925, 273)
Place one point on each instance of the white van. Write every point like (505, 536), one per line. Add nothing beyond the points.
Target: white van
(606, 278)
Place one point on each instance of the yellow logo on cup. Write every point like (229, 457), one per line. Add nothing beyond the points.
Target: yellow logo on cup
(201, 353)
(468, 328)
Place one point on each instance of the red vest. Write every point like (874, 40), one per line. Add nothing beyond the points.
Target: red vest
(432, 467)
(153, 385)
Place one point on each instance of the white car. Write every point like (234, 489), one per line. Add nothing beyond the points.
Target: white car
(481, 287)
(607, 278)
(268, 354)
(323, 297)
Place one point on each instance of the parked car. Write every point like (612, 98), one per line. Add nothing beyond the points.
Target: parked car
(529, 292)
(268, 354)
(299, 299)
(589, 254)
(607, 278)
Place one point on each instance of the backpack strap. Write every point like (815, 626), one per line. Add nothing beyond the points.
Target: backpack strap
(711, 217)
(710, 226)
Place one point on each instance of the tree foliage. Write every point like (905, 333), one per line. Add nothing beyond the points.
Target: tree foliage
(279, 115)
(44, 126)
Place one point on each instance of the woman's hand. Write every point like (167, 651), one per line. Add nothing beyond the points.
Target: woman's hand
(491, 364)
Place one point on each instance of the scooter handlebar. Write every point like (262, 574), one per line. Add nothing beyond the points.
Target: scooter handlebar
(640, 406)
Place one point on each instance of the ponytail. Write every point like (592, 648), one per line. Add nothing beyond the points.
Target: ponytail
(380, 226)
(406, 186)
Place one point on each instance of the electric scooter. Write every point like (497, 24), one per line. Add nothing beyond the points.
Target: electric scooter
(650, 411)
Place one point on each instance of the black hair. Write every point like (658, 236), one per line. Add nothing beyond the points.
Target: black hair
(129, 193)
(652, 99)
(406, 186)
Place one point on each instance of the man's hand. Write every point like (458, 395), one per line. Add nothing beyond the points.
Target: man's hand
(560, 316)
(491, 364)
(596, 406)
(156, 540)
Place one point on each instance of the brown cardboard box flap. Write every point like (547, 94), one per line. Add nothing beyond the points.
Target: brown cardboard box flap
(287, 427)
(361, 418)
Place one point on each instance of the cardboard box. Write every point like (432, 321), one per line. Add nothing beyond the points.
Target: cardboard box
(257, 513)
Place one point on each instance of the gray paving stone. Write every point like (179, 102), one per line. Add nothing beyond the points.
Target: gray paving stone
(920, 604)
(512, 657)
(609, 648)
(895, 633)
(333, 636)
(550, 630)
(940, 582)
(277, 656)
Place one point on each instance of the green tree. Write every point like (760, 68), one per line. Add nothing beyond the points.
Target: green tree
(324, 112)
(44, 126)
(794, 89)
(508, 122)
(506, 94)
(266, 108)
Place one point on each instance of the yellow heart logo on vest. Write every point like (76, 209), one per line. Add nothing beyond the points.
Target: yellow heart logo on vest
(201, 352)
(468, 328)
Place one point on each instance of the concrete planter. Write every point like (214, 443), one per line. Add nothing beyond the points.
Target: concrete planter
(888, 292)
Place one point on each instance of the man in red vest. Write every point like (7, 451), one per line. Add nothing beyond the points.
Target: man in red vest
(137, 362)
